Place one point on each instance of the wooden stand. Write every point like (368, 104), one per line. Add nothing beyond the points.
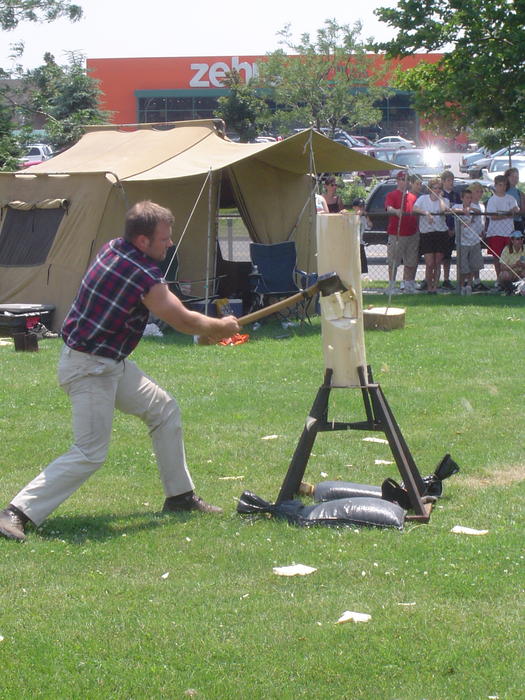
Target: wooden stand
(379, 417)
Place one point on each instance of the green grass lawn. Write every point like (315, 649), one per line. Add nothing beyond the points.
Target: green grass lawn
(112, 599)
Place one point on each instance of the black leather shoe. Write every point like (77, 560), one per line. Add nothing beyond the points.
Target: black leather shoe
(188, 501)
(12, 524)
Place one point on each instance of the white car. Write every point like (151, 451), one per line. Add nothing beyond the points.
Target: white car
(476, 167)
(394, 142)
(499, 165)
(35, 154)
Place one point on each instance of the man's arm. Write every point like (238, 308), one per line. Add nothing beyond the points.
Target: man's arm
(169, 308)
(496, 214)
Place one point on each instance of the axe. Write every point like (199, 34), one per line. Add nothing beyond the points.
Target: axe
(327, 284)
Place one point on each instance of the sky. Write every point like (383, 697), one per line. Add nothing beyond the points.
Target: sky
(133, 28)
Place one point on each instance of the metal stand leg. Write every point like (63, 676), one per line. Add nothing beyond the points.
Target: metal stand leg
(379, 418)
(316, 418)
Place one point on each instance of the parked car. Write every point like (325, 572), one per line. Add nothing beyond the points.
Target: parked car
(420, 161)
(394, 141)
(363, 140)
(341, 136)
(470, 158)
(343, 141)
(367, 176)
(474, 171)
(264, 139)
(36, 153)
(375, 205)
(499, 165)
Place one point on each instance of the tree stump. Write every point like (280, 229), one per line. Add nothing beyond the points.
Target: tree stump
(383, 318)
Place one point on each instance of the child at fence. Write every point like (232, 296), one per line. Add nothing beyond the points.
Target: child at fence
(468, 243)
(478, 226)
(512, 262)
(448, 192)
(501, 207)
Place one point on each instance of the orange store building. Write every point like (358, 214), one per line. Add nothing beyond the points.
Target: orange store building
(139, 90)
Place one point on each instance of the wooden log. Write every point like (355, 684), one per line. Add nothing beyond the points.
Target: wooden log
(383, 318)
(341, 313)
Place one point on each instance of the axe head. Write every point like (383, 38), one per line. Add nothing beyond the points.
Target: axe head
(329, 283)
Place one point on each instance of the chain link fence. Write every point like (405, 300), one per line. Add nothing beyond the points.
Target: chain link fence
(235, 241)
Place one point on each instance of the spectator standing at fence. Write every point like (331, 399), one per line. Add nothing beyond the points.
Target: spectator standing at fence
(332, 199)
(478, 226)
(433, 231)
(512, 262)
(501, 207)
(403, 236)
(513, 178)
(447, 182)
(468, 243)
(415, 184)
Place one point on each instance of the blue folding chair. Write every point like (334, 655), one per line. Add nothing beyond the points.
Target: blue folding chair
(275, 275)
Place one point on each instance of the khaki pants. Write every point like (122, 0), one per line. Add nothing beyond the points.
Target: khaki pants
(96, 386)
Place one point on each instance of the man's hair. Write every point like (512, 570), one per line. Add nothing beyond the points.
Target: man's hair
(143, 217)
(446, 174)
(499, 179)
(465, 191)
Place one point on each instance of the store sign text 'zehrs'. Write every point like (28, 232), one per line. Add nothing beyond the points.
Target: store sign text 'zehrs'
(211, 75)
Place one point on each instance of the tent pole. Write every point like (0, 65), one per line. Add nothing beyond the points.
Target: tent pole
(208, 243)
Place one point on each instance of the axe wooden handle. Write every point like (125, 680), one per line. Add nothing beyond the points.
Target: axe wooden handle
(326, 284)
(273, 308)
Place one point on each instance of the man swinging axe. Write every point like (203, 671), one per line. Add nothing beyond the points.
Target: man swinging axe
(105, 323)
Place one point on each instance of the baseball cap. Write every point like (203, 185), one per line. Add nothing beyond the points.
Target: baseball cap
(401, 175)
(516, 234)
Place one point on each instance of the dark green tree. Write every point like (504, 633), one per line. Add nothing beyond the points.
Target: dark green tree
(329, 81)
(480, 81)
(13, 104)
(12, 12)
(10, 149)
(242, 109)
(66, 96)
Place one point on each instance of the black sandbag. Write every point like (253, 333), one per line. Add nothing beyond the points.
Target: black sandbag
(331, 490)
(337, 513)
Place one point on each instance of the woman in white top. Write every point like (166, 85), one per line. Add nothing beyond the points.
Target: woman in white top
(433, 229)
(502, 208)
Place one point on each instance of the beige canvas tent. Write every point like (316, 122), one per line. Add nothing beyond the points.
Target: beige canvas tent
(56, 215)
